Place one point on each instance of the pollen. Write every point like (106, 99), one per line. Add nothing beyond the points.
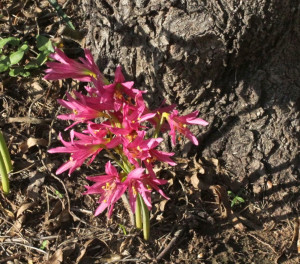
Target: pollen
(92, 74)
(134, 191)
(75, 111)
(118, 94)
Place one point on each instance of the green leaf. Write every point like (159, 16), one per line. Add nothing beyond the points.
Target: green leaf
(44, 44)
(42, 58)
(230, 193)
(19, 71)
(11, 40)
(123, 229)
(31, 65)
(16, 56)
(44, 244)
(4, 63)
(59, 194)
(240, 199)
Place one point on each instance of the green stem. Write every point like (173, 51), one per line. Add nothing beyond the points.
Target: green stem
(138, 215)
(5, 154)
(161, 121)
(116, 160)
(4, 176)
(5, 164)
(146, 218)
(61, 13)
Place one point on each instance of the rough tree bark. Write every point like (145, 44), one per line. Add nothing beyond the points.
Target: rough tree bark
(235, 61)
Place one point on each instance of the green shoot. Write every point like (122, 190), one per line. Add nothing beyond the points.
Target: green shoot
(44, 244)
(5, 164)
(235, 199)
(123, 229)
(59, 195)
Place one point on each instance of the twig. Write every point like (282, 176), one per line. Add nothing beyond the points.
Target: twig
(30, 120)
(24, 245)
(177, 235)
(33, 102)
(89, 212)
(263, 242)
(16, 172)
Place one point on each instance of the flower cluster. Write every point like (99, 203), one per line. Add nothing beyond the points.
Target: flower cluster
(118, 122)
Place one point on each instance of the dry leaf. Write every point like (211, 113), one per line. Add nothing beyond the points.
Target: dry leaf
(57, 257)
(162, 205)
(36, 182)
(56, 209)
(7, 212)
(222, 200)
(32, 142)
(36, 142)
(110, 258)
(64, 216)
(195, 181)
(37, 87)
(125, 244)
(236, 222)
(24, 207)
(89, 246)
(17, 225)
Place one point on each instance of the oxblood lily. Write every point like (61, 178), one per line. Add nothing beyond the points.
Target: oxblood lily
(140, 183)
(87, 146)
(83, 108)
(130, 120)
(110, 188)
(179, 124)
(144, 149)
(119, 91)
(86, 71)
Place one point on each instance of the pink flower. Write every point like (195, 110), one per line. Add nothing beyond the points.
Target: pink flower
(141, 183)
(83, 108)
(119, 91)
(86, 70)
(87, 146)
(110, 188)
(144, 149)
(179, 124)
(130, 120)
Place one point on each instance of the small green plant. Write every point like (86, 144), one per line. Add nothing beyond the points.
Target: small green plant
(5, 164)
(13, 50)
(44, 244)
(59, 195)
(235, 198)
(123, 229)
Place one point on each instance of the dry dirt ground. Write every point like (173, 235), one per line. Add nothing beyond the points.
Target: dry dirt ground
(46, 219)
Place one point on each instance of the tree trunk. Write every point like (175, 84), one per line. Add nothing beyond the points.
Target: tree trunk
(237, 62)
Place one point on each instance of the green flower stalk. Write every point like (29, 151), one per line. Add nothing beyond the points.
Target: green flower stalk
(5, 164)
(146, 218)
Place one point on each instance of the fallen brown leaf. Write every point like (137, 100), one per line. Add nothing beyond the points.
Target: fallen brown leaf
(24, 207)
(56, 258)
